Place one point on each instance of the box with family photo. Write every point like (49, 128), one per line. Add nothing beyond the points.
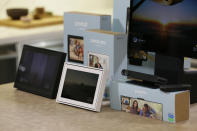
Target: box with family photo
(142, 107)
(145, 101)
(75, 26)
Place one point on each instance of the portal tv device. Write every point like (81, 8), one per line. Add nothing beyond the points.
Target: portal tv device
(82, 87)
(39, 71)
(146, 78)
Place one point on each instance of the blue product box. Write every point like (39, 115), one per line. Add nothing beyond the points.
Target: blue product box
(170, 107)
(109, 50)
(75, 26)
(120, 15)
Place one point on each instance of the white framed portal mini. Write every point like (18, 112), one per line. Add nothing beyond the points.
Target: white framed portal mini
(82, 87)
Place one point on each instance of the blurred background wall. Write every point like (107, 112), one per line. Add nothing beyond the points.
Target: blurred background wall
(59, 6)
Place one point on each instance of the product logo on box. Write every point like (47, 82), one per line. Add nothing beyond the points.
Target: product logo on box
(140, 92)
(98, 42)
(119, 38)
(81, 25)
(171, 117)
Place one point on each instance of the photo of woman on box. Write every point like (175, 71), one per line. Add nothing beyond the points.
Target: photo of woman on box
(134, 108)
(100, 61)
(142, 108)
(97, 64)
(147, 111)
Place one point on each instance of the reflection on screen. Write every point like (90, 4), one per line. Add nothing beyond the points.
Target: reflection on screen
(80, 86)
(37, 69)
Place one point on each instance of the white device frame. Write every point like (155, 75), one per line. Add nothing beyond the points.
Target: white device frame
(99, 92)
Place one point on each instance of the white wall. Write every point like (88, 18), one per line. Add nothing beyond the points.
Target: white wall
(60, 6)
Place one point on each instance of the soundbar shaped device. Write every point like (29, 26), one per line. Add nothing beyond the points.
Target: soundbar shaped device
(146, 78)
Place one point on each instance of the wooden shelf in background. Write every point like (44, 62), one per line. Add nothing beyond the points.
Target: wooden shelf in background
(53, 20)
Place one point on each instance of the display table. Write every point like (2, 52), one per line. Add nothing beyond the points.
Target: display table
(27, 112)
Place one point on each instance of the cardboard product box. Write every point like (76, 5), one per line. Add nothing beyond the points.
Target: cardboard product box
(75, 26)
(107, 50)
(120, 15)
(170, 107)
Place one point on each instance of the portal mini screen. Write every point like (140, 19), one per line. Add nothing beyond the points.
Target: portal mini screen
(39, 71)
(80, 86)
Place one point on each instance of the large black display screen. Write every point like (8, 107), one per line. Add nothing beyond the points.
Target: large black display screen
(167, 27)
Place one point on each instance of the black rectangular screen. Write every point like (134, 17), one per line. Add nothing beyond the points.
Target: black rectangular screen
(39, 71)
(80, 86)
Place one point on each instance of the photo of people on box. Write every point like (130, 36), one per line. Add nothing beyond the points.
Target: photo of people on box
(142, 107)
(125, 104)
(75, 48)
(99, 61)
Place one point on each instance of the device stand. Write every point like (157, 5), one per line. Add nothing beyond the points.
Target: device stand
(170, 68)
(190, 77)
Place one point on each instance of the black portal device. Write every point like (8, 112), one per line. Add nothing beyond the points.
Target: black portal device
(39, 71)
(146, 78)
